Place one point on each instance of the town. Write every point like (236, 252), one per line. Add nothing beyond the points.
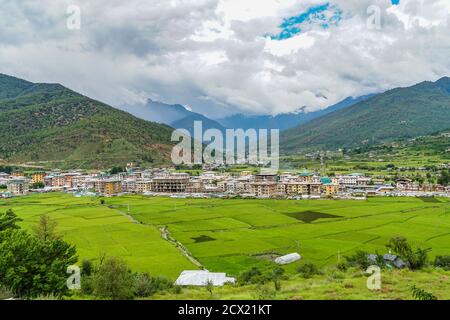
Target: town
(212, 184)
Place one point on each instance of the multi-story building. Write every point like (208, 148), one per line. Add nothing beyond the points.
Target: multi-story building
(263, 189)
(18, 186)
(129, 185)
(38, 177)
(143, 186)
(194, 186)
(17, 174)
(306, 177)
(330, 189)
(171, 183)
(108, 187)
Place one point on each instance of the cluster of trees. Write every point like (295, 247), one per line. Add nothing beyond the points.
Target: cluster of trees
(33, 264)
(116, 170)
(6, 169)
(444, 178)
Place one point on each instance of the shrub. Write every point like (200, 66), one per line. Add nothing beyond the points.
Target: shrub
(146, 286)
(358, 260)
(264, 293)
(251, 276)
(87, 285)
(342, 266)
(308, 270)
(113, 279)
(87, 267)
(442, 262)
(420, 294)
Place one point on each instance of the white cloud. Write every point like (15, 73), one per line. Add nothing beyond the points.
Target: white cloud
(214, 55)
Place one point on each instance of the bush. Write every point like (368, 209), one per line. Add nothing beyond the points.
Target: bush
(87, 285)
(308, 270)
(252, 276)
(264, 293)
(146, 286)
(442, 262)
(420, 294)
(87, 267)
(358, 260)
(113, 279)
(342, 266)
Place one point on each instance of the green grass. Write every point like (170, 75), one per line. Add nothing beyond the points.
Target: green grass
(245, 230)
(235, 235)
(98, 230)
(333, 285)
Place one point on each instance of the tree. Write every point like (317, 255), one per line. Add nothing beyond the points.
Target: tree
(38, 185)
(277, 275)
(87, 267)
(444, 178)
(116, 170)
(416, 259)
(308, 270)
(45, 229)
(9, 220)
(31, 267)
(113, 279)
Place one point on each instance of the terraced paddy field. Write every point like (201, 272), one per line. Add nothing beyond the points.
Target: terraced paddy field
(235, 235)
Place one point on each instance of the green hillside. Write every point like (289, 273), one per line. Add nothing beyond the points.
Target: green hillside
(48, 124)
(396, 114)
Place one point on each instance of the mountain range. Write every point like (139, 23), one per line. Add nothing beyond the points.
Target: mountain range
(285, 121)
(51, 125)
(174, 115)
(399, 113)
(48, 123)
(179, 117)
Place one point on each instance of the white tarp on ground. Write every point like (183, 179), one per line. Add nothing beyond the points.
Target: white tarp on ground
(288, 258)
(201, 278)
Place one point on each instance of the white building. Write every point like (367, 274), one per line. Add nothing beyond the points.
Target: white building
(202, 278)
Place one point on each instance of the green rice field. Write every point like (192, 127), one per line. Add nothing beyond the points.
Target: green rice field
(234, 235)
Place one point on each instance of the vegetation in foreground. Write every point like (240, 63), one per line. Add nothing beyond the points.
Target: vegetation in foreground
(425, 277)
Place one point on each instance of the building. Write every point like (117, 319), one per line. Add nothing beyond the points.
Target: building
(171, 183)
(143, 186)
(112, 187)
(202, 278)
(38, 177)
(18, 186)
(108, 187)
(330, 189)
(263, 189)
(266, 177)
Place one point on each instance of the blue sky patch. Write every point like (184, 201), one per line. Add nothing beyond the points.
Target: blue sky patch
(324, 15)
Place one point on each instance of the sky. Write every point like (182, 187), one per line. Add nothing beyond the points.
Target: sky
(221, 57)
